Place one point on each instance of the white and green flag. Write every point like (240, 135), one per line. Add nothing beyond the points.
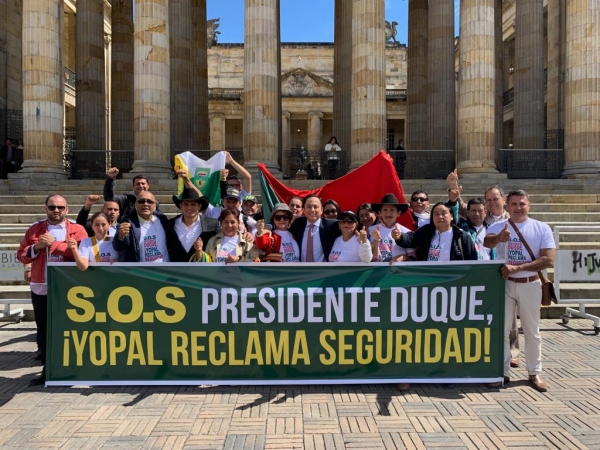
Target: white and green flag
(205, 175)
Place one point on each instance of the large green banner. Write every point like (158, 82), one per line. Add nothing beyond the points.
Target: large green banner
(274, 323)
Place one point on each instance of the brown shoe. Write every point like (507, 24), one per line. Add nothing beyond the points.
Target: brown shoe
(498, 384)
(403, 387)
(514, 362)
(538, 383)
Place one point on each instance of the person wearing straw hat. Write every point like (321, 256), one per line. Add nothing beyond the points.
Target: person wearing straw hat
(190, 226)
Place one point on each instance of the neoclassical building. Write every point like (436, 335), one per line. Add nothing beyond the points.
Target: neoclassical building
(522, 78)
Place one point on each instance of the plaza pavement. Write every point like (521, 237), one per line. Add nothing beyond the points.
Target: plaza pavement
(327, 417)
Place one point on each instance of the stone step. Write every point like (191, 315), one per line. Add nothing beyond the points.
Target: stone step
(566, 218)
(578, 237)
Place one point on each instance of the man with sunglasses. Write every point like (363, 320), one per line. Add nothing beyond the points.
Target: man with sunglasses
(142, 236)
(419, 206)
(46, 240)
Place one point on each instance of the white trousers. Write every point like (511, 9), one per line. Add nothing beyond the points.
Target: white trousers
(527, 297)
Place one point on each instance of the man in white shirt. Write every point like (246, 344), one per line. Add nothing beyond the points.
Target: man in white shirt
(142, 237)
(523, 285)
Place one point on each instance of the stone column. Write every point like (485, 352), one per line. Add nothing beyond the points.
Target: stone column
(416, 92)
(90, 113)
(200, 121)
(151, 127)
(529, 75)
(342, 74)
(368, 81)
(286, 143)
(315, 131)
(582, 113)
(217, 132)
(182, 91)
(122, 75)
(554, 86)
(11, 48)
(43, 89)
(477, 87)
(262, 92)
(499, 49)
(441, 111)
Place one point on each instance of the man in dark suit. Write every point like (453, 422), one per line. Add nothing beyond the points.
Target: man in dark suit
(311, 227)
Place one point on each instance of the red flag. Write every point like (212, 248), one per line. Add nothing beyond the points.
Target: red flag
(367, 184)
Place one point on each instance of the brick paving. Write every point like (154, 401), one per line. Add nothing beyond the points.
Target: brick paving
(309, 417)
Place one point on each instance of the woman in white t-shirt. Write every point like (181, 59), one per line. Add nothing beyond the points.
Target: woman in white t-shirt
(331, 150)
(228, 246)
(352, 245)
(278, 245)
(96, 249)
(382, 234)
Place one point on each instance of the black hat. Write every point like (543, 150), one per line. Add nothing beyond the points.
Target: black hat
(189, 193)
(390, 199)
(348, 215)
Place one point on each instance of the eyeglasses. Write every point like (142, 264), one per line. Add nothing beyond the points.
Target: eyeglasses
(419, 199)
(145, 200)
(54, 207)
(234, 185)
(346, 221)
(278, 217)
(330, 211)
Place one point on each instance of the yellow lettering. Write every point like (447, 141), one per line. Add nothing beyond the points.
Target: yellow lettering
(179, 343)
(452, 349)
(113, 337)
(253, 349)
(472, 349)
(150, 346)
(74, 297)
(197, 348)
(231, 342)
(97, 353)
(212, 350)
(66, 348)
(137, 304)
(136, 349)
(79, 345)
(344, 347)
(403, 344)
(277, 349)
(300, 350)
(163, 299)
(418, 346)
(380, 344)
(433, 353)
(361, 347)
(323, 338)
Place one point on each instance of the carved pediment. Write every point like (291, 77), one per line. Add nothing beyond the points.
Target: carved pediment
(302, 83)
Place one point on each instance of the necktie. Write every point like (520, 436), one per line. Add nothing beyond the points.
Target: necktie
(309, 244)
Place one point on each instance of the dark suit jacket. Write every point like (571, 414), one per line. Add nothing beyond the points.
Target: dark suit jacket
(176, 251)
(328, 233)
(129, 248)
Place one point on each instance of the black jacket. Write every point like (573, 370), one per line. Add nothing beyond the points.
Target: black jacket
(329, 230)
(129, 248)
(421, 240)
(126, 202)
(176, 251)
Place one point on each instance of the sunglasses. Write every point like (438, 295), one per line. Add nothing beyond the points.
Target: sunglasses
(145, 200)
(419, 199)
(346, 221)
(54, 208)
(330, 211)
(278, 217)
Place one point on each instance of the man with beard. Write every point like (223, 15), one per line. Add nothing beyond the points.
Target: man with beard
(46, 240)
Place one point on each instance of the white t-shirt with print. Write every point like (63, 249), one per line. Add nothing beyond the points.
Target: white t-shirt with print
(153, 245)
(388, 249)
(537, 234)
(349, 251)
(105, 250)
(441, 243)
(289, 246)
(228, 247)
(483, 253)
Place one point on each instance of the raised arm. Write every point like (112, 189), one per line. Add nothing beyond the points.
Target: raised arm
(246, 177)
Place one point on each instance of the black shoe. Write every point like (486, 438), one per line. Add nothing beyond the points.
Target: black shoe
(39, 380)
